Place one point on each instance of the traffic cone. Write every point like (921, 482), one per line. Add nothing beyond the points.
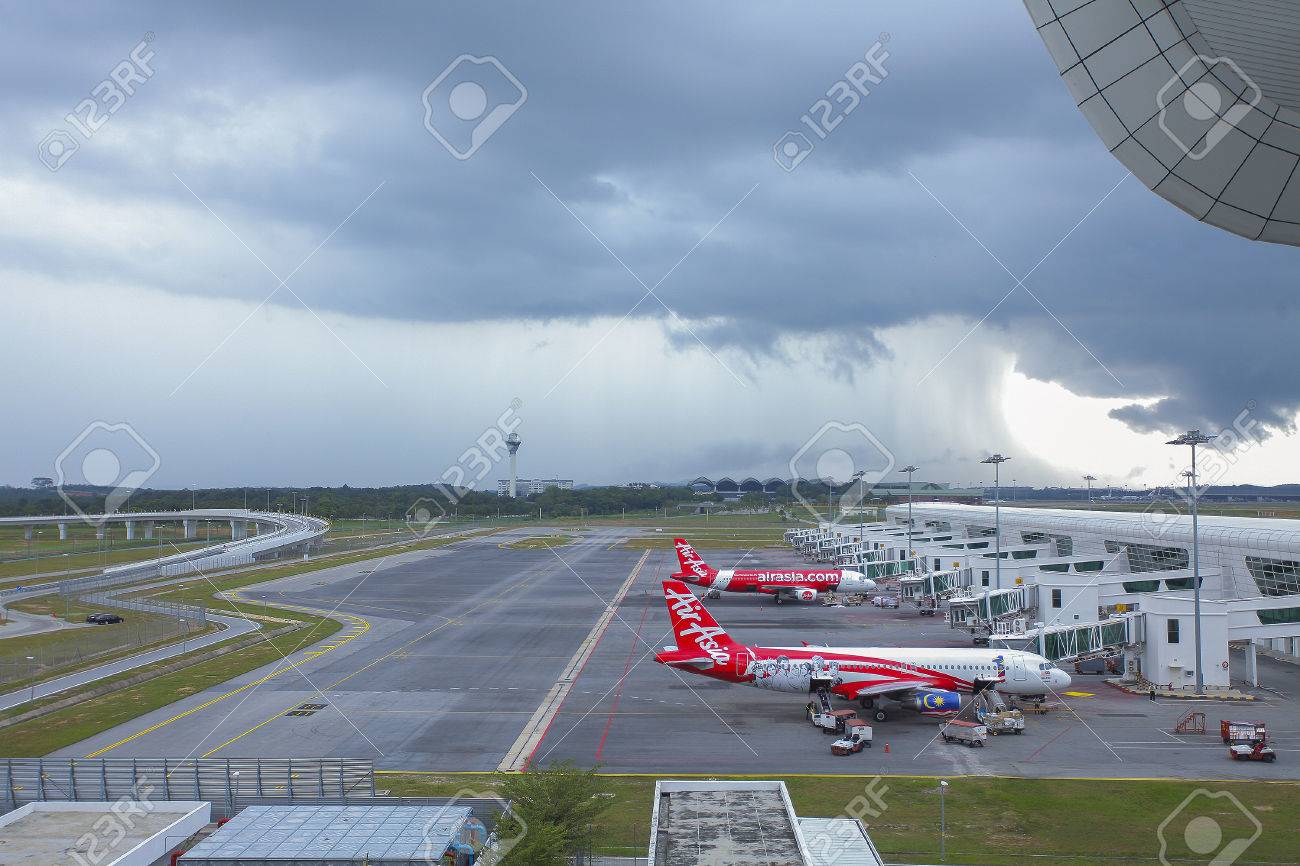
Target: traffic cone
(886, 748)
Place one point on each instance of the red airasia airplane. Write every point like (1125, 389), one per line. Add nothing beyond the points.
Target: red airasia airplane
(928, 679)
(801, 584)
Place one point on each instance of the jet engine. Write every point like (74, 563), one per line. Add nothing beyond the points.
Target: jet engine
(805, 594)
(936, 701)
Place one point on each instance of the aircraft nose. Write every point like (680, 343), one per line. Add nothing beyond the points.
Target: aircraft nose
(1060, 678)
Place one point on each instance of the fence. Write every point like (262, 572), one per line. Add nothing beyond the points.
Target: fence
(217, 562)
(115, 577)
(173, 609)
(228, 784)
(53, 651)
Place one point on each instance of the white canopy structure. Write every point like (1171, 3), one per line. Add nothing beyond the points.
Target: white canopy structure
(1198, 98)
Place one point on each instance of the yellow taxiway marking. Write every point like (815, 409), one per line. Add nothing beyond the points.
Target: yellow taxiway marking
(1081, 694)
(361, 624)
(362, 670)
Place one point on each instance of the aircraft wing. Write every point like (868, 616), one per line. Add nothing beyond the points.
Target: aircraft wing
(897, 689)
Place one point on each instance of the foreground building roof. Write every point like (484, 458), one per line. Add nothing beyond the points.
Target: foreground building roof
(1199, 99)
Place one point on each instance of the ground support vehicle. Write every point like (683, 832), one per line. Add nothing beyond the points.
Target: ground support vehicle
(1247, 741)
(971, 734)
(1241, 732)
(857, 736)
(1005, 722)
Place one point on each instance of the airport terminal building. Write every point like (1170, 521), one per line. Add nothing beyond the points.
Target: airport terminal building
(1079, 583)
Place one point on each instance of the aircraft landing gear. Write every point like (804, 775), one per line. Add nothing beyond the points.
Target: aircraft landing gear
(879, 715)
(776, 598)
(866, 703)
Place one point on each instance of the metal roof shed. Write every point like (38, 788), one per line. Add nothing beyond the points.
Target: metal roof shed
(332, 836)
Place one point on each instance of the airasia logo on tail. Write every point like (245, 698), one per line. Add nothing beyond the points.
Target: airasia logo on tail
(685, 608)
(689, 559)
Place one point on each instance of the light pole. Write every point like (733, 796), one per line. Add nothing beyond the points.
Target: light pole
(1090, 479)
(909, 469)
(1194, 438)
(997, 460)
(943, 824)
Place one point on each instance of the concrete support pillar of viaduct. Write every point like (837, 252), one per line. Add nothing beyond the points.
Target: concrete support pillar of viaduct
(238, 529)
(1253, 658)
(130, 530)
(148, 528)
(191, 528)
(27, 532)
(63, 532)
(99, 532)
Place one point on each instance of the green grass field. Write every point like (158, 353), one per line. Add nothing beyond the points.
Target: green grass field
(82, 538)
(989, 820)
(72, 724)
(56, 653)
(540, 542)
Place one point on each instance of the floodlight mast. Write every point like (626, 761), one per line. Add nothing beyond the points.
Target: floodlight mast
(1194, 438)
(997, 460)
(909, 469)
(1090, 479)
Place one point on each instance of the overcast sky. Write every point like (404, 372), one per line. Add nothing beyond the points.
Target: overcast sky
(623, 255)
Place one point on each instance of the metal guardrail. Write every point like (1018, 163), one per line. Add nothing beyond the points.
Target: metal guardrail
(229, 784)
(215, 562)
(165, 608)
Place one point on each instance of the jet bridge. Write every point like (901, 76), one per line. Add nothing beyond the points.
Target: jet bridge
(988, 607)
(936, 584)
(1059, 643)
(887, 568)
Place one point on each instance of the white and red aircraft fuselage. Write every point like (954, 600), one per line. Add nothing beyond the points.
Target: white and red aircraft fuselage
(802, 584)
(928, 679)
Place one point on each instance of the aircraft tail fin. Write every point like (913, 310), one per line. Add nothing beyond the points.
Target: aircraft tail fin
(690, 562)
(694, 627)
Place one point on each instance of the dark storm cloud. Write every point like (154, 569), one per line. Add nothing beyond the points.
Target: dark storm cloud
(651, 122)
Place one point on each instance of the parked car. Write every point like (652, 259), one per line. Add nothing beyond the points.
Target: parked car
(888, 601)
(104, 618)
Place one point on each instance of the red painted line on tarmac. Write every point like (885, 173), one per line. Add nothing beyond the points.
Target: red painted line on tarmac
(1036, 752)
(622, 683)
(547, 730)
